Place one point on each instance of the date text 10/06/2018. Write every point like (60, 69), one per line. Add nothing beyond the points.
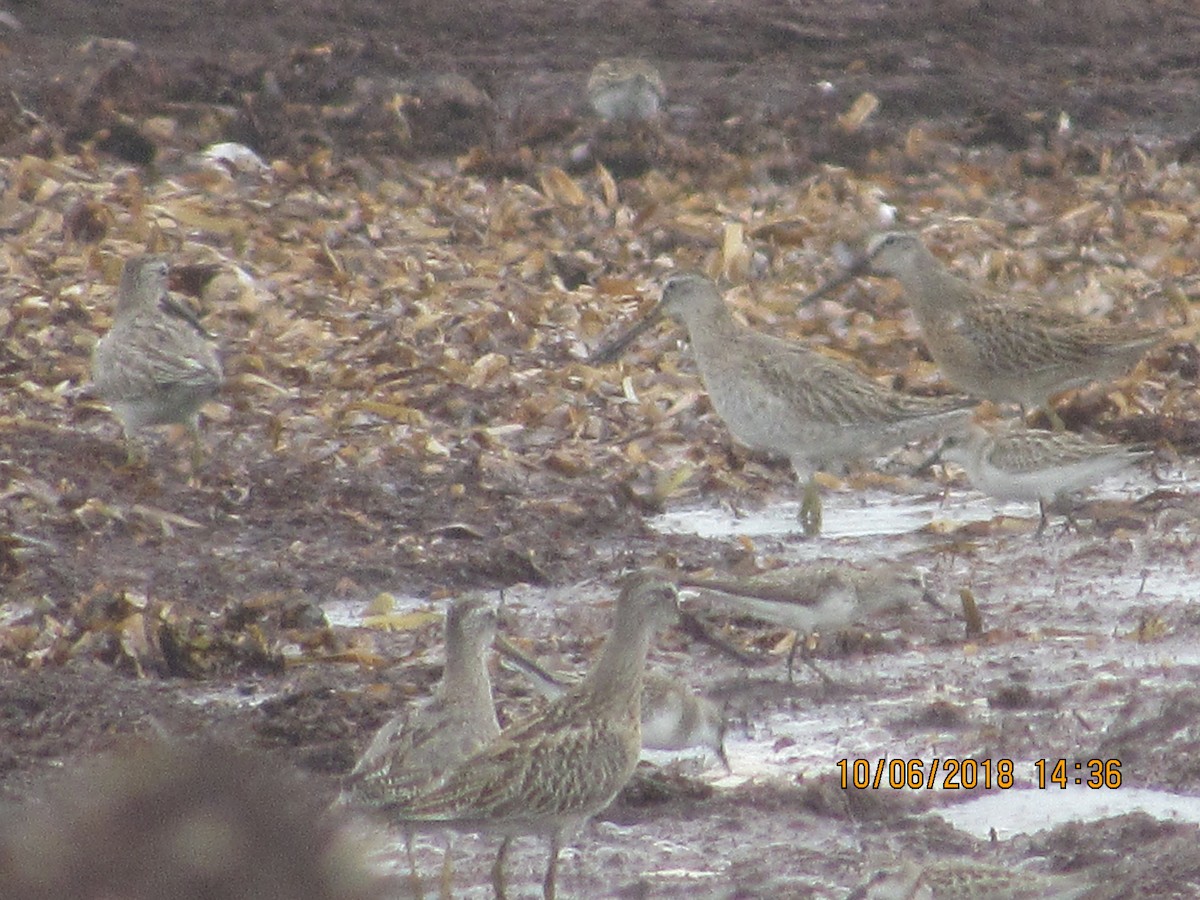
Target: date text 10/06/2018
(952, 774)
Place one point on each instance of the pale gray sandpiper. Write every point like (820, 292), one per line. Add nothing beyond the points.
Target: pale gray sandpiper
(156, 365)
(815, 597)
(625, 89)
(548, 774)
(1027, 464)
(414, 749)
(954, 879)
(674, 717)
(781, 397)
(993, 347)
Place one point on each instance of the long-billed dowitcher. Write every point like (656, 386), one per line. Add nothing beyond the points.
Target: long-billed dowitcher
(1027, 464)
(551, 772)
(156, 365)
(674, 717)
(625, 89)
(996, 348)
(782, 397)
(814, 597)
(414, 750)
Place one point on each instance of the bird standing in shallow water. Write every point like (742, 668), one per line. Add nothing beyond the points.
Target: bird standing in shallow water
(156, 365)
(812, 597)
(1026, 464)
(781, 397)
(548, 774)
(413, 751)
(993, 348)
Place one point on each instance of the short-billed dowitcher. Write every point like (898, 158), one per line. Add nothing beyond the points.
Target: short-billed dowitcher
(414, 750)
(674, 717)
(548, 774)
(992, 347)
(1028, 464)
(781, 397)
(156, 365)
(814, 597)
(625, 89)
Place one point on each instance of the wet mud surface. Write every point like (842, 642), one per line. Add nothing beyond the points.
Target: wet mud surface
(231, 606)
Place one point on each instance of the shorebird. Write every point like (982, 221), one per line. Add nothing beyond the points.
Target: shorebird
(548, 774)
(625, 89)
(184, 819)
(782, 397)
(1025, 464)
(815, 596)
(674, 717)
(156, 365)
(989, 346)
(954, 879)
(414, 750)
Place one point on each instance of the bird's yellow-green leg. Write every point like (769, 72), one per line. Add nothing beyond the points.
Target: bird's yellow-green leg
(136, 454)
(414, 876)
(1044, 519)
(498, 870)
(810, 508)
(800, 644)
(446, 888)
(193, 429)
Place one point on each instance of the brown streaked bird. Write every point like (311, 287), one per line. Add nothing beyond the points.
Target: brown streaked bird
(674, 717)
(1028, 464)
(781, 397)
(625, 89)
(156, 365)
(414, 750)
(548, 774)
(810, 597)
(992, 347)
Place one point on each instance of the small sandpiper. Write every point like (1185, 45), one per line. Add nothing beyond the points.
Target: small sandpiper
(1028, 464)
(781, 397)
(548, 774)
(815, 596)
(968, 879)
(989, 346)
(413, 750)
(674, 717)
(625, 90)
(156, 365)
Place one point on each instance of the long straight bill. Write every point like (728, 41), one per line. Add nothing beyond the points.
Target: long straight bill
(852, 271)
(611, 351)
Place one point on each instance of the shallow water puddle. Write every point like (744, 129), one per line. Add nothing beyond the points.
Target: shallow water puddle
(1025, 810)
(351, 613)
(863, 514)
(874, 514)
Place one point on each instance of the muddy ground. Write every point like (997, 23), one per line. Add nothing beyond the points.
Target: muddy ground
(143, 601)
